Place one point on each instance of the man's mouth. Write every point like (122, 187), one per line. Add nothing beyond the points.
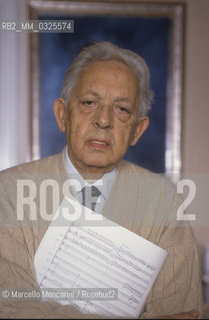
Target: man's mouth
(98, 144)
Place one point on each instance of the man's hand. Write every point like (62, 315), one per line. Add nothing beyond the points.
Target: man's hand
(183, 315)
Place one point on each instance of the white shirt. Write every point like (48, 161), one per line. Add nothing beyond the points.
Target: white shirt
(104, 184)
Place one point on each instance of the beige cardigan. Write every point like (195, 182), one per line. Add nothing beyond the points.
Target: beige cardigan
(141, 201)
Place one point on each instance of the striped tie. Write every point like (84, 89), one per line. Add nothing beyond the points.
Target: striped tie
(90, 195)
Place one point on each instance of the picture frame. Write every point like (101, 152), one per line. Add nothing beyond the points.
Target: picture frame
(174, 12)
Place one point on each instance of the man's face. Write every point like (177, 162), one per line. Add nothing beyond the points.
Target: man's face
(100, 122)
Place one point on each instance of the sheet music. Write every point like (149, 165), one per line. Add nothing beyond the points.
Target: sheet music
(105, 256)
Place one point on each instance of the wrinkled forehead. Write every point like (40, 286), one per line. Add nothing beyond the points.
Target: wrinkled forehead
(113, 76)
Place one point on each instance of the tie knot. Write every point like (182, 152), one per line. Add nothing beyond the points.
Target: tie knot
(90, 195)
(95, 191)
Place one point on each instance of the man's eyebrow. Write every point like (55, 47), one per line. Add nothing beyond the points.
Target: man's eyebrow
(121, 99)
(118, 99)
(94, 93)
(90, 91)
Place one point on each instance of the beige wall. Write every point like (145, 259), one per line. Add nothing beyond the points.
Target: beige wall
(196, 100)
(195, 134)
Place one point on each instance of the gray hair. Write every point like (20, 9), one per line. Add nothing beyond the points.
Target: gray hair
(105, 51)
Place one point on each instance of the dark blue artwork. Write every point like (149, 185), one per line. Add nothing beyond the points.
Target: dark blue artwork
(147, 36)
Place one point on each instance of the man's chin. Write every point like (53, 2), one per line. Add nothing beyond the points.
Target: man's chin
(99, 165)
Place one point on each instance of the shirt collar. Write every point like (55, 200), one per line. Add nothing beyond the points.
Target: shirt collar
(104, 184)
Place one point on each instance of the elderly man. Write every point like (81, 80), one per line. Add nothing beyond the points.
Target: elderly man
(102, 111)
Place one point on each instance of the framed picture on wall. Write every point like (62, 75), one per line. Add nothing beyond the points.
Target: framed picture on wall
(154, 30)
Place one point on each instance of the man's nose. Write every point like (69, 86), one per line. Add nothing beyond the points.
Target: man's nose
(104, 117)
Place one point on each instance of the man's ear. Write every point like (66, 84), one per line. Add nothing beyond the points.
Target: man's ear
(60, 113)
(140, 128)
